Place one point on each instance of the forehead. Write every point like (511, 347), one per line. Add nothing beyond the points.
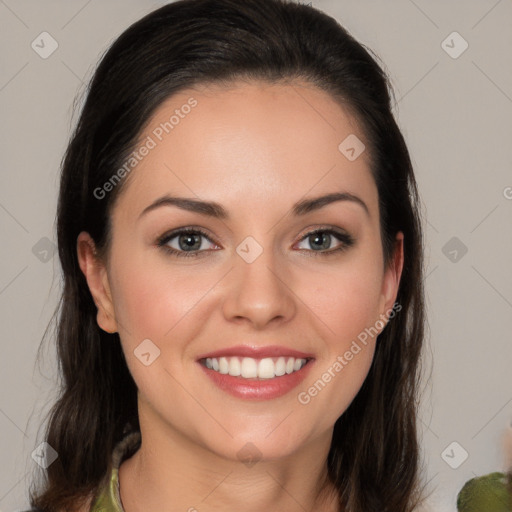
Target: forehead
(248, 144)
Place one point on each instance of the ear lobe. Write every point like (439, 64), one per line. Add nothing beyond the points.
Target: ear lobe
(97, 280)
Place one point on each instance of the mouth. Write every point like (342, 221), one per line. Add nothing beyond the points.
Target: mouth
(256, 373)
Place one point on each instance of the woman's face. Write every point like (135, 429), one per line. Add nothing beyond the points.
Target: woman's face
(258, 277)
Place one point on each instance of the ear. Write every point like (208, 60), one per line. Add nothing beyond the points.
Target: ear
(392, 275)
(97, 279)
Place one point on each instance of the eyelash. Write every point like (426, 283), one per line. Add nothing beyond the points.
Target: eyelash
(346, 239)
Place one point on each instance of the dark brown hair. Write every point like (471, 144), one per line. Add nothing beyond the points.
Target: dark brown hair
(374, 458)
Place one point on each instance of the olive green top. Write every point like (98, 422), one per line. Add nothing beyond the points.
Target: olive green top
(487, 493)
(109, 499)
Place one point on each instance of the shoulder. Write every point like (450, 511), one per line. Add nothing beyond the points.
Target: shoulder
(487, 492)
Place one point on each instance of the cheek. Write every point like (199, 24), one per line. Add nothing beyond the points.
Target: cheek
(156, 301)
(162, 306)
(335, 382)
(347, 302)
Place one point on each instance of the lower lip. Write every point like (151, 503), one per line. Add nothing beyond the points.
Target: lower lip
(255, 389)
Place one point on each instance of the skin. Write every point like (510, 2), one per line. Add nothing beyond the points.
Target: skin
(258, 148)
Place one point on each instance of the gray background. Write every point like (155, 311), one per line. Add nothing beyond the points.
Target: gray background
(456, 116)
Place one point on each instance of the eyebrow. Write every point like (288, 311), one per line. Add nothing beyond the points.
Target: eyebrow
(213, 209)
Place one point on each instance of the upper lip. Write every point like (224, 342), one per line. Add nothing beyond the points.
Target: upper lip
(257, 352)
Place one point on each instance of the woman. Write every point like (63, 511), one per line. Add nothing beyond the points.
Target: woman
(242, 315)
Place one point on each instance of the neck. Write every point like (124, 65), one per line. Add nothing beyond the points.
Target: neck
(172, 472)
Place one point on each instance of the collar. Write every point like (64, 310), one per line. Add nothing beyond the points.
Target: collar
(109, 499)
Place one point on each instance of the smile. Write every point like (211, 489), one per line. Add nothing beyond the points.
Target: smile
(256, 379)
(251, 368)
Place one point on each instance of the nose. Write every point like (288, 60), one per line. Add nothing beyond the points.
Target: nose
(258, 293)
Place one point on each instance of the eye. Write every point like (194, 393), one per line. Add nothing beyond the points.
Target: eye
(322, 239)
(189, 242)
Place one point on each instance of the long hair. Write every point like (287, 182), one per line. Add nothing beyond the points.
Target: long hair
(374, 458)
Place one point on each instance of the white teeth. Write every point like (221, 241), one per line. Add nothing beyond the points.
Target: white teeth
(249, 368)
(281, 366)
(234, 367)
(223, 365)
(266, 368)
